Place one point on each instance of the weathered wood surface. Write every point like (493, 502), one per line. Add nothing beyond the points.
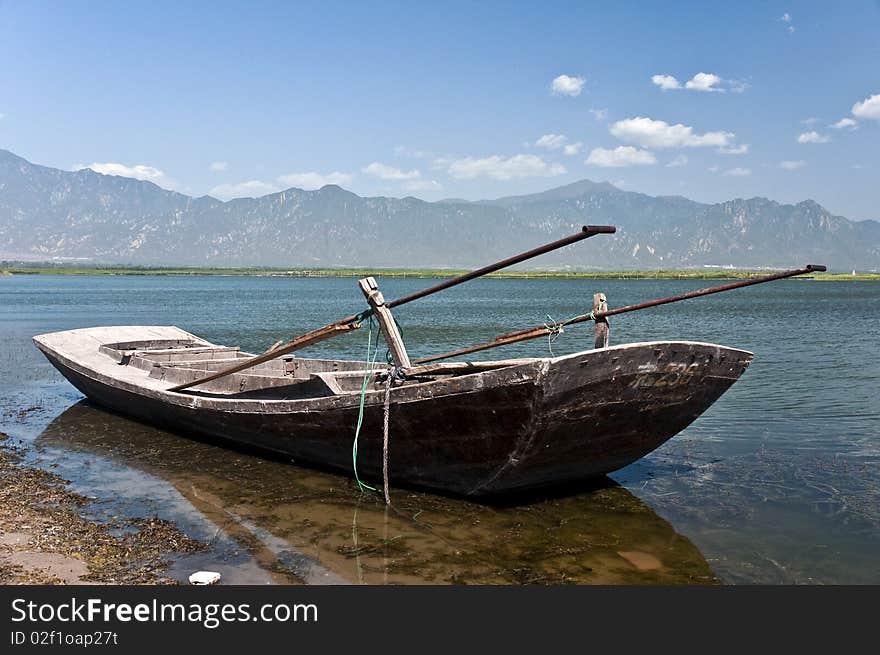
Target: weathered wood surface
(602, 329)
(530, 423)
(386, 321)
(309, 339)
(461, 367)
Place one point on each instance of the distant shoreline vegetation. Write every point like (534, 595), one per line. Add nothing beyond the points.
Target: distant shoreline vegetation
(702, 274)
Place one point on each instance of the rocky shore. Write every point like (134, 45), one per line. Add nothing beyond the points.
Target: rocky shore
(47, 537)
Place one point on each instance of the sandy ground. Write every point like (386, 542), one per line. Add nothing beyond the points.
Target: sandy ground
(46, 536)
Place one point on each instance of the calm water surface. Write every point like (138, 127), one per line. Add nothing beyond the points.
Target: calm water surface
(778, 482)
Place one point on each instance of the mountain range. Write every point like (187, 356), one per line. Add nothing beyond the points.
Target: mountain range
(49, 214)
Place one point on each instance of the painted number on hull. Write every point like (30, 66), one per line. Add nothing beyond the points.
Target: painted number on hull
(669, 377)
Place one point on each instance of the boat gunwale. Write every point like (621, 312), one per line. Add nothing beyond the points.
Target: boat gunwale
(525, 370)
(236, 404)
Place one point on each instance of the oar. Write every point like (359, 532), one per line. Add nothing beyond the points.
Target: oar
(353, 322)
(543, 330)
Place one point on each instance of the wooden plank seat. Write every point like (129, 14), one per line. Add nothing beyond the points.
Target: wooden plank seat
(238, 384)
(199, 364)
(217, 352)
(122, 352)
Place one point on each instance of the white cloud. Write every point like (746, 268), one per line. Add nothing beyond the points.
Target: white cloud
(443, 163)
(250, 189)
(557, 141)
(868, 108)
(792, 165)
(650, 133)
(812, 120)
(565, 85)
(813, 137)
(741, 149)
(704, 82)
(403, 151)
(310, 180)
(219, 165)
(620, 157)
(845, 122)
(551, 141)
(138, 172)
(384, 172)
(738, 172)
(422, 185)
(713, 169)
(681, 160)
(666, 82)
(786, 18)
(599, 114)
(503, 168)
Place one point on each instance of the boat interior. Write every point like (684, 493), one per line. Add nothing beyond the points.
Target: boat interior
(288, 377)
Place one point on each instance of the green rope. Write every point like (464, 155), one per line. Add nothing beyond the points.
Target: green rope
(360, 421)
(388, 356)
(360, 318)
(554, 329)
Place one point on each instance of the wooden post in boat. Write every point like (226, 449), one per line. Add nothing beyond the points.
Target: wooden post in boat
(602, 331)
(386, 321)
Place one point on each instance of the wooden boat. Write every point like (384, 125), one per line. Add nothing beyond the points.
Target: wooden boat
(474, 429)
(470, 428)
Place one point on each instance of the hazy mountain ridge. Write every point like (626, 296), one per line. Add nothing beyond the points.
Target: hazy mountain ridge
(47, 213)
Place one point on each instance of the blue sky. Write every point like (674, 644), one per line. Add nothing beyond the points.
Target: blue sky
(438, 100)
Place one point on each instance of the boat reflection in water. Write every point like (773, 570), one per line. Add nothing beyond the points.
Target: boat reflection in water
(268, 521)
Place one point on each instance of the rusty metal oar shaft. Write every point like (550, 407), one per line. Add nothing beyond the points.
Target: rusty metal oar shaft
(543, 330)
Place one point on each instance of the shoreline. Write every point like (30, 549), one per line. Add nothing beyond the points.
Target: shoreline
(672, 274)
(46, 536)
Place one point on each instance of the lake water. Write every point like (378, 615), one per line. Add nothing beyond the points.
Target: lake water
(779, 482)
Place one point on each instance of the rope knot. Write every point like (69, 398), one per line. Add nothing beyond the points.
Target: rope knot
(397, 374)
(362, 316)
(554, 327)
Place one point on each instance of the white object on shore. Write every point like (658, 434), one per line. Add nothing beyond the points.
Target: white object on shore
(204, 577)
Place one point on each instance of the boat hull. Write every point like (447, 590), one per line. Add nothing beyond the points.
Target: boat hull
(540, 423)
